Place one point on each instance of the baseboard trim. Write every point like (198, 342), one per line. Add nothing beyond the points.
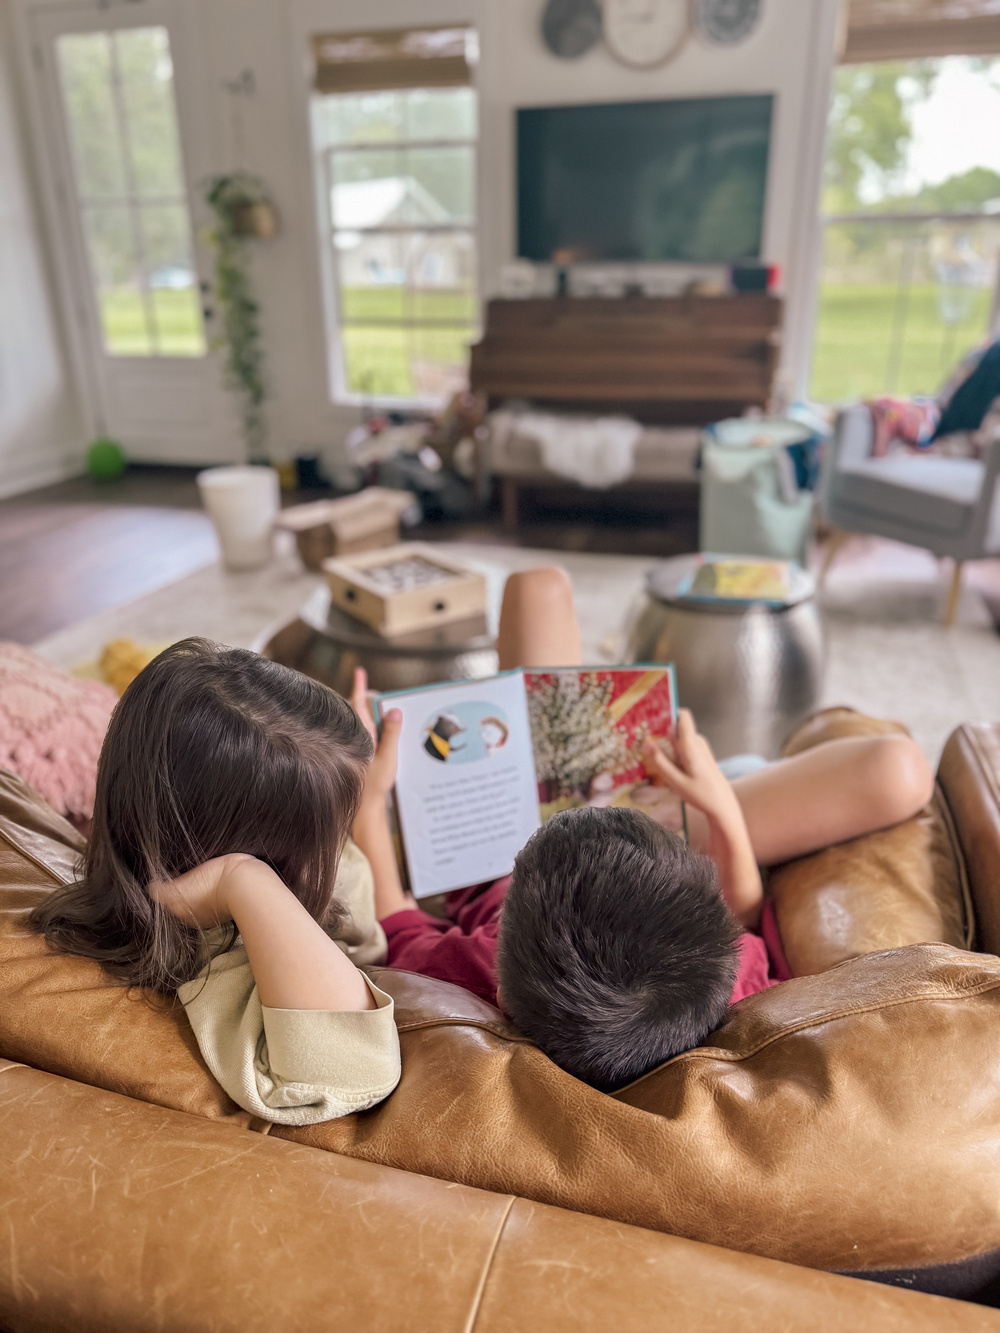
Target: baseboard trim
(36, 478)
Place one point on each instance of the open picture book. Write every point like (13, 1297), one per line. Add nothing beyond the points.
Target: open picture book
(482, 763)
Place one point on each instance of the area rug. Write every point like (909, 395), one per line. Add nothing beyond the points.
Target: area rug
(888, 654)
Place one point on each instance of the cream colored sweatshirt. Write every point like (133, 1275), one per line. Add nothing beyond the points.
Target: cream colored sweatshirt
(298, 1066)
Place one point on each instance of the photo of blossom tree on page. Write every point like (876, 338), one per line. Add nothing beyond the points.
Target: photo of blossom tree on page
(587, 730)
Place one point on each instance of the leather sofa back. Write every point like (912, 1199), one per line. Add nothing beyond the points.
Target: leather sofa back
(969, 774)
(838, 1121)
(155, 1222)
(903, 885)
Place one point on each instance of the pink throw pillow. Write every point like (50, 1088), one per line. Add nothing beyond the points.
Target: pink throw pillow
(51, 729)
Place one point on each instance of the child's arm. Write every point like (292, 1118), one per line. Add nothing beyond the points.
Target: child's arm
(294, 962)
(371, 829)
(696, 778)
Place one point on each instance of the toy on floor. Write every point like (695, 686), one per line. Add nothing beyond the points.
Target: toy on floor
(123, 659)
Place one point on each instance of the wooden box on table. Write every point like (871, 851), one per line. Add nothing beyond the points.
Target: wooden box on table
(405, 588)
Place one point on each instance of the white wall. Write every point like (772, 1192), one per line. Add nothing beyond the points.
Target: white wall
(41, 434)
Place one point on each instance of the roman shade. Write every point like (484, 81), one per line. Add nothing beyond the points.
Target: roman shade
(915, 29)
(355, 62)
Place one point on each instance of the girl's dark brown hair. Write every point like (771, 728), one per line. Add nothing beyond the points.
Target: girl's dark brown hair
(211, 750)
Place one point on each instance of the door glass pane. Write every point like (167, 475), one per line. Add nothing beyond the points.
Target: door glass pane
(173, 286)
(118, 279)
(85, 67)
(119, 98)
(148, 94)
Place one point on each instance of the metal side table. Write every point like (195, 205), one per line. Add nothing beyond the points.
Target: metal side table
(748, 672)
(324, 643)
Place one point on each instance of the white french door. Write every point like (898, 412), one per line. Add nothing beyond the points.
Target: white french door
(120, 131)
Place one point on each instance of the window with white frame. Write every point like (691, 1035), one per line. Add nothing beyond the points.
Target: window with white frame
(911, 226)
(396, 167)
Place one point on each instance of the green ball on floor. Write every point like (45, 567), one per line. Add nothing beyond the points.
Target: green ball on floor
(105, 459)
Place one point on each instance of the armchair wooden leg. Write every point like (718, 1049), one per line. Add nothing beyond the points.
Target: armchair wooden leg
(954, 592)
(835, 542)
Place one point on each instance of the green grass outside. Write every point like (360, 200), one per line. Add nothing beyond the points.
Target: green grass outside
(178, 323)
(392, 302)
(853, 354)
(379, 359)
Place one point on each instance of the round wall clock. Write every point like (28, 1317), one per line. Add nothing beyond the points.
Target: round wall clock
(725, 22)
(571, 27)
(645, 32)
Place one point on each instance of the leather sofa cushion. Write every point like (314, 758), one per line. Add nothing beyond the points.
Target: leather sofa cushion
(904, 885)
(818, 1125)
(969, 776)
(207, 1227)
(64, 1014)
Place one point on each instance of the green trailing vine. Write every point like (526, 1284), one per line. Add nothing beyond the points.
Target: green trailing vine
(233, 199)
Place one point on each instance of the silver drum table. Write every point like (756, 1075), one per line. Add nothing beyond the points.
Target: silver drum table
(326, 644)
(749, 673)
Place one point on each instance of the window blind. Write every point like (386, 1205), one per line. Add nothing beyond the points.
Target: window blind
(914, 29)
(357, 62)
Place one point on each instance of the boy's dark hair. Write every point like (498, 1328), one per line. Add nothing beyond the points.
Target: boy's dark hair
(616, 949)
(210, 750)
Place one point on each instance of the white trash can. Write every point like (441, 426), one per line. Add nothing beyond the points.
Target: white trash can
(243, 503)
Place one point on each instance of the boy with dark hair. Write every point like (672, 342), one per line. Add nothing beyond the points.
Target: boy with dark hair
(619, 946)
(616, 950)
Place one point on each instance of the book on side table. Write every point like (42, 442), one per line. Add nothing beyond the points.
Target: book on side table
(482, 763)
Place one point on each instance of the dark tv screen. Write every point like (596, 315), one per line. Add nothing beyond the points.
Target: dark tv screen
(678, 181)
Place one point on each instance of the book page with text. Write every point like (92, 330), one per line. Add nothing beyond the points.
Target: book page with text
(466, 792)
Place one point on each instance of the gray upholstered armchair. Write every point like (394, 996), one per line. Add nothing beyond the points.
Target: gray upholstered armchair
(946, 505)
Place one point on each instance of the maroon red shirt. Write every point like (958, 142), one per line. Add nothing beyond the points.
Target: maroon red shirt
(463, 949)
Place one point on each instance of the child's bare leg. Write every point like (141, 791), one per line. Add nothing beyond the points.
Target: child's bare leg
(835, 791)
(538, 625)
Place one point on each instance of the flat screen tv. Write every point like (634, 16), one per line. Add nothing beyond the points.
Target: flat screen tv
(678, 181)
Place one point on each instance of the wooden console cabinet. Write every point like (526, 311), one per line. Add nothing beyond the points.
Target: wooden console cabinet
(684, 360)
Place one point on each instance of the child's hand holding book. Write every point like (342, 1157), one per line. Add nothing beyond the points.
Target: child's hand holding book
(696, 778)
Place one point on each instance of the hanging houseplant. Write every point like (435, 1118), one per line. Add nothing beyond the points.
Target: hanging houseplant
(242, 211)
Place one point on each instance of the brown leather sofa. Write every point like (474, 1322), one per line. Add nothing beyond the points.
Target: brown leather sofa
(846, 1122)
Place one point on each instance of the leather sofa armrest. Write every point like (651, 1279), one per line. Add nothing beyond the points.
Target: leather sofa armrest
(164, 1221)
(969, 777)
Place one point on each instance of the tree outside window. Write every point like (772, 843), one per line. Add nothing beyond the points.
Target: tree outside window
(912, 225)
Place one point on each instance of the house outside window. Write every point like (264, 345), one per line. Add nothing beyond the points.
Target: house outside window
(396, 169)
(911, 242)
